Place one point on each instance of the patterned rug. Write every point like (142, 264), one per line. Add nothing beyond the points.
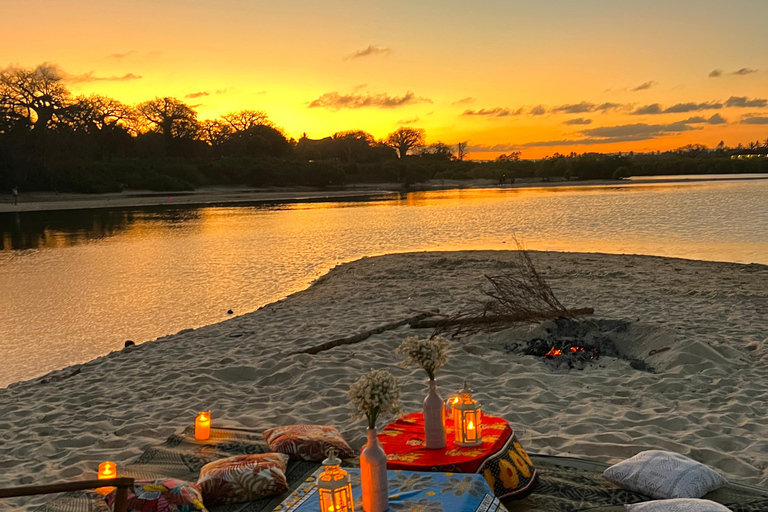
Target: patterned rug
(564, 484)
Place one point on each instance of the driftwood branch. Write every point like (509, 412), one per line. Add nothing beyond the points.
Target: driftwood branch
(357, 338)
(498, 319)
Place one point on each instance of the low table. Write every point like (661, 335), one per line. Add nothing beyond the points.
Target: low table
(409, 491)
(500, 459)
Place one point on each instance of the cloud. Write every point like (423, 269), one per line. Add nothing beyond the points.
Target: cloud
(89, 77)
(644, 86)
(197, 94)
(493, 112)
(715, 119)
(742, 101)
(538, 110)
(584, 107)
(679, 108)
(371, 50)
(336, 101)
(121, 56)
(579, 120)
(637, 130)
(223, 91)
(358, 87)
(754, 119)
(408, 121)
(715, 73)
(744, 71)
(464, 101)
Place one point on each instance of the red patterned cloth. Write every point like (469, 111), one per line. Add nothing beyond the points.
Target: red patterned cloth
(500, 459)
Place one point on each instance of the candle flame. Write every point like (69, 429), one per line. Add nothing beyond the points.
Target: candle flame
(471, 426)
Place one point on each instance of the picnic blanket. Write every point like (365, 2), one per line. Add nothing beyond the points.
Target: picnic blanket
(564, 484)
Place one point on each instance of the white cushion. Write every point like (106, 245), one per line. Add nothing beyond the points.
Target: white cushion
(663, 475)
(678, 505)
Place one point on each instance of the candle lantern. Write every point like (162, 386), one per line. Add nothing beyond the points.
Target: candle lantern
(450, 403)
(334, 486)
(467, 419)
(203, 426)
(107, 471)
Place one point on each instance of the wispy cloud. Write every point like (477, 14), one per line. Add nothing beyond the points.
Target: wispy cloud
(715, 119)
(715, 73)
(121, 56)
(538, 110)
(465, 101)
(493, 112)
(408, 121)
(578, 121)
(90, 77)
(336, 101)
(585, 107)
(367, 52)
(637, 130)
(744, 71)
(679, 108)
(744, 102)
(754, 119)
(644, 86)
(197, 94)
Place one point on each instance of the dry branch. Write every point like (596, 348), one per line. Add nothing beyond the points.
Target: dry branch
(497, 319)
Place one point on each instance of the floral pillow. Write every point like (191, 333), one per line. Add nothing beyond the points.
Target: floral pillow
(164, 495)
(243, 478)
(663, 475)
(678, 505)
(307, 442)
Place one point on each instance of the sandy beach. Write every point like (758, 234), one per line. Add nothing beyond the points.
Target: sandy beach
(706, 398)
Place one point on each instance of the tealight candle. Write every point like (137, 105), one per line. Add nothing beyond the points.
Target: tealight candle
(203, 426)
(107, 471)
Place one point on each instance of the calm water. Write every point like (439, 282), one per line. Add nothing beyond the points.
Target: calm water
(76, 285)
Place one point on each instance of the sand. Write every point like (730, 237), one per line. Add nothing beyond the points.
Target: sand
(707, 399)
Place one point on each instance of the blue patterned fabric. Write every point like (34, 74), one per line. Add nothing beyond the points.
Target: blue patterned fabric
(410, 491)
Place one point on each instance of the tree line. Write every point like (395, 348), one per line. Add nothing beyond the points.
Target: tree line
(52, 140)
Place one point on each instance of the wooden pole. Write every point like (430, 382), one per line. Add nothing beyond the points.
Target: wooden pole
(121, 497)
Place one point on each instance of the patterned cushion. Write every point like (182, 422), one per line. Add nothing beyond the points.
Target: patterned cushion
(164, 495)
(243, 478)
(663, 475)
(307, 442)
(678, 505)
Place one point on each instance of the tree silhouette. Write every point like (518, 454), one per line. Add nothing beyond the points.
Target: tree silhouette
(243, 120)
(171, 117)
(36, 95)
(461, 150)
(403, 139)
(354, 145)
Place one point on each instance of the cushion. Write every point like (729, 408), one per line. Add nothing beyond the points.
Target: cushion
(661, 475)
(678, 505)
(163, 495)
(307, 442)
(243, 478)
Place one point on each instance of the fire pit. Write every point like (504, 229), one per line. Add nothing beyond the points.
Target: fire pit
(569, 344)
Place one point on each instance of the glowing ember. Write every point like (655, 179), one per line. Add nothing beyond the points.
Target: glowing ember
(553, 352)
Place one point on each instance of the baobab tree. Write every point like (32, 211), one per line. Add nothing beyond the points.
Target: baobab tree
(37, 95)
(403, 139)
(244, 120)
(171, 117)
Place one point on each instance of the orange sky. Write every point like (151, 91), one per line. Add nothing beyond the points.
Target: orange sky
(557, 76)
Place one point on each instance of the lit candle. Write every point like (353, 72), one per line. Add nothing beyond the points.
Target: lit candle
(107, 470)
(203, 426)
(471, 434)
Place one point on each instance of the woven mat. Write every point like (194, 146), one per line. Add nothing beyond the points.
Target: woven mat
(565, 484)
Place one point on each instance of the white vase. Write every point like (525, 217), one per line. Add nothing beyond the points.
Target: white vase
(434, 418)
(373, 475)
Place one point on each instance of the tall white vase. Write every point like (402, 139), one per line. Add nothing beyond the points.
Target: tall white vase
(434, 418)
(373, 475)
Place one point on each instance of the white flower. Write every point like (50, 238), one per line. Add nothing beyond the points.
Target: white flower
(431, 353)
(374, 393)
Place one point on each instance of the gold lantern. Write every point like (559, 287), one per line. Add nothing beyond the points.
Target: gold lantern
(467, 419)
(334, 487)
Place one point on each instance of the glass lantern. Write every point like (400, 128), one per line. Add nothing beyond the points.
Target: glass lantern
(467, 419)
(334, 487)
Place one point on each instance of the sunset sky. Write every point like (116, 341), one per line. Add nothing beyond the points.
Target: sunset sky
(543, 76)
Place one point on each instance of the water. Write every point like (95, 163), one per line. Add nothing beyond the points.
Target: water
(77, 284)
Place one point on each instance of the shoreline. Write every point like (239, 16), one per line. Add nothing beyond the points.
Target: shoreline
(244, 196)
(703, 401)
